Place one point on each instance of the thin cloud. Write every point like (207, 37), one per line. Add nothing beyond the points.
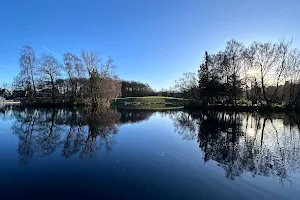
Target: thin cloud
(3, 67)
(286, 9)
(161, 49)
(50, 50)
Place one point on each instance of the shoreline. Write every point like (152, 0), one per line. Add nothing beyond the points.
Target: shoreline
(242, 108)
(10, 102)
(166, 105)
(51, 105)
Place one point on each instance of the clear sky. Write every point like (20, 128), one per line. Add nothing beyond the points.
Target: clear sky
(152, 41)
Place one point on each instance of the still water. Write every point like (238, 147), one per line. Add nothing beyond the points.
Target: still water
(139, 154)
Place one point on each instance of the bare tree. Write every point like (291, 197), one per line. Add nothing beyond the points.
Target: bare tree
(250, 74)
(291, 93)
(280, 70)
(108, 83)
(271, 71)
(234, 58)
(270, 63)
(28, 69)
(74, 68)
(103, 82)
(188, 84)
(108, 89)
(49, 69)
(7, 86)
(91, 62)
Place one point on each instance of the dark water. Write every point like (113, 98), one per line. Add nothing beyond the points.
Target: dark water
(131, 154)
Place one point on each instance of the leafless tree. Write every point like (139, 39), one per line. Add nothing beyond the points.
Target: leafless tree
(28, 69)
(6, 86)
(233, 65)
(49, 69)
(291, 93)
(250, 74)
(270, 63)
(91, 62)
(108, 83)
(188, 84)
(103, 82)
(74, 68)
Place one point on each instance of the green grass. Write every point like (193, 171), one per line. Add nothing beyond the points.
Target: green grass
(148, 107)
(147, 100)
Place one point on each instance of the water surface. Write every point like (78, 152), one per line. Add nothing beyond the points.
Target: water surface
(140, 154)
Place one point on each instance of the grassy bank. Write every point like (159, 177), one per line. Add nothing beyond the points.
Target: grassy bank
(148, 107)
(50, 104)
(149, 100)
(10, 102)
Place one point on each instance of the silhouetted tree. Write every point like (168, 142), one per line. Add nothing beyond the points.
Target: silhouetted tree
(262, 72)
(188, 85)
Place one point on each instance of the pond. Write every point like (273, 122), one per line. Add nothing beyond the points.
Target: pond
(146, 154)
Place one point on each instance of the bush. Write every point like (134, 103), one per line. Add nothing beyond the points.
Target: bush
(243, 101)
(276, 105)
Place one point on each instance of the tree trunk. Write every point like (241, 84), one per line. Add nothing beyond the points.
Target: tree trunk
(53, 89)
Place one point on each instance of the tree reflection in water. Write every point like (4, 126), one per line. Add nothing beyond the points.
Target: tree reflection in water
(262, 144)
(6, 112)
(82, 132)
(267, 145)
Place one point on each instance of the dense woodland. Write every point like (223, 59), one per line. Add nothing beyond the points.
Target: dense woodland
(261, 74)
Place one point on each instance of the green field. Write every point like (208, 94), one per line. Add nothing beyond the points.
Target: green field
(149, 107)
(154, 101)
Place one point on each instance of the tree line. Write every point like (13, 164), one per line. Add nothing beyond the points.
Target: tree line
(85, 79)
(265, 74)
(136, 89)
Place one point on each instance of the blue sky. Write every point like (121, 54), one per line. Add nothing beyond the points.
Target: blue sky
(152, 41)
